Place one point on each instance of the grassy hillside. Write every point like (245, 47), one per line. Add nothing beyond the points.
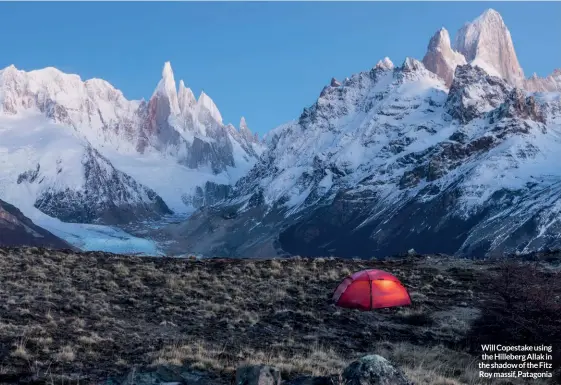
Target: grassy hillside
(93, 316)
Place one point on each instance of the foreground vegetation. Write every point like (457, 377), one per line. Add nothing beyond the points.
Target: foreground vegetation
(88, 317)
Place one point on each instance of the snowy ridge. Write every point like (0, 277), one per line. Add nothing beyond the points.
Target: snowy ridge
(551, 83)
(385, 64)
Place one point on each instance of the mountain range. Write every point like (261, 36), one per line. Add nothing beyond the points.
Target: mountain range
(80, 152)
(455, 153)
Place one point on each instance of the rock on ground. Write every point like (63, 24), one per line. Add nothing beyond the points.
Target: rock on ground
(373, 370)
(258, 375)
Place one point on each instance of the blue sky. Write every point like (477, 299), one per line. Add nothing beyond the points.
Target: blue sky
(265, 61)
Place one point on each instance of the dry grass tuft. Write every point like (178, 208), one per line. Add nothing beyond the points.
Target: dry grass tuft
(99, 314)
(66, 354)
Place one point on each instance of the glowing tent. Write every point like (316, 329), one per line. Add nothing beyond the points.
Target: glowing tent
(371, 289)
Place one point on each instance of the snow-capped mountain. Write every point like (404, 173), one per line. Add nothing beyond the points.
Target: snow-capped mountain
(487, 43)
(404, 157)
(81, 152)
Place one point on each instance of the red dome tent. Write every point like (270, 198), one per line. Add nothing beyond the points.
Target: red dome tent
(371, 289)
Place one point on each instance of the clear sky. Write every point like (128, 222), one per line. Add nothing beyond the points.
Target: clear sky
(265, 61)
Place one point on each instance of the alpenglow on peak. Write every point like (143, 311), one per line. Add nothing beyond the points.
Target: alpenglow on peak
(487, 43)
(206, 103)
(166, 88)
(440, 58)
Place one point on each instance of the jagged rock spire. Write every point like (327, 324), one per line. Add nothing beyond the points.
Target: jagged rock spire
(243, 124)
(186, 98)
(166, 88)
(335, 83)
(205, 103)
(440, 58)
(487, 43)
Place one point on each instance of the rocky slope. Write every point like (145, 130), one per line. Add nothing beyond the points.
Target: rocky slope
(81, 152)
(392, 159)
(18, 230)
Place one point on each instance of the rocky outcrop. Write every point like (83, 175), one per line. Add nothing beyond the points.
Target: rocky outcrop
(107, 195)
(519, 106)
(440, 58)
(208, 195)
(411, 65)
(18, 230)
(474, 93)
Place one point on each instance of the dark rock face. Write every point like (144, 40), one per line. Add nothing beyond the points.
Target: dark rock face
(211, 194)
(18, 230)
(517, 105)
(108, 196)
(217, 153)
(30, 175)
(56, 112)
(465, 103)
(258, 375)
(340, 229)
(374, 370)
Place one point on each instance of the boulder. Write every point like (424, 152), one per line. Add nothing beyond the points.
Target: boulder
(373, 370)
(258, 375)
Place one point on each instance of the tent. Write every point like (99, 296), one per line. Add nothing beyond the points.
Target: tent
(371, 289)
